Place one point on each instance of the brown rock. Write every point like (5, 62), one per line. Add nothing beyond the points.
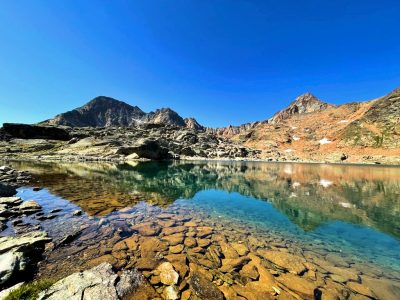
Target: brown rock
(203, 242)
(382, 288)
(233, 264)
(102, 259)
(173, 230)
(227, 250)
(147, 229)
(240, 248)
(190, 224)
(174, 239)
(147, 263)
(120, 246)
(167, 223)
(204, 231)
(204, 288)
(249, 271)
(132, 243)
(176, 249)
(293, 263)
(149, 245)
(190, 242)
(297, 284)
(360, 289)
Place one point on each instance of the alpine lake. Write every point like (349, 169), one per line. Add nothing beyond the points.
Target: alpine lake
(251, 230)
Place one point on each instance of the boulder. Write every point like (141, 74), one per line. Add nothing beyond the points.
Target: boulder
(145, 148)
(25, 131)
(100, 282)
(18, 255)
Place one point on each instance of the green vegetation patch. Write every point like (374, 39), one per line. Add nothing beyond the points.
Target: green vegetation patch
(31, 290)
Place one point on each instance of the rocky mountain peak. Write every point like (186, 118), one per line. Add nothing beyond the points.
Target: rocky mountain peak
(306, 103)
(165, 116)
(105, 111)
(193, 124)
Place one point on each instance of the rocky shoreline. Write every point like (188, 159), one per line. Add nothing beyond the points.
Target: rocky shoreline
(144, 142)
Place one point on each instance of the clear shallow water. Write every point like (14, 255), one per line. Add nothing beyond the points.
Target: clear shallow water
(362, 243)
(351, 210)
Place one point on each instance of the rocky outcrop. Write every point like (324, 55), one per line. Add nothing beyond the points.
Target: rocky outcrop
(100, 282)
(25, 131)
(19, 255)
(303, 104)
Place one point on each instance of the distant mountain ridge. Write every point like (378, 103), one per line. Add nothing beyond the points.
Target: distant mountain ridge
(105, 111)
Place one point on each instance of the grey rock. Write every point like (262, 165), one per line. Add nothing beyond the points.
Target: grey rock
(19, 254)
(100, 282)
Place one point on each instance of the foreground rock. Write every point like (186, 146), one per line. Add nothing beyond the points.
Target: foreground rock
(144, 141)
(19, 255)
(100, 282)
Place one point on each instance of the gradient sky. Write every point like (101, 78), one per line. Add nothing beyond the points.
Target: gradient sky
(221, 61)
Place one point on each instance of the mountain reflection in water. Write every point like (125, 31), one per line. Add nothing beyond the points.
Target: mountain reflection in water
(308, 194)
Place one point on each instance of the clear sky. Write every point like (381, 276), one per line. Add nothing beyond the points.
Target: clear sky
(221, 61)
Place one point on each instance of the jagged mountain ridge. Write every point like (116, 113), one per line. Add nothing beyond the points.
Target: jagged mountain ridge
(105, 111)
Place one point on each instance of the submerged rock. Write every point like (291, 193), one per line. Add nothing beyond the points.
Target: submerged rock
(205, 289)
(168, 275)
(100, 282)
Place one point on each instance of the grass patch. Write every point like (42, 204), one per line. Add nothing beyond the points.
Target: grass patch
(31, 290)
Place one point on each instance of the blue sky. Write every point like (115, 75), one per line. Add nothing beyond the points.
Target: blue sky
(223, 62)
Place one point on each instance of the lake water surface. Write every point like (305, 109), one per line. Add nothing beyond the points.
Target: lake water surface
(340, 222)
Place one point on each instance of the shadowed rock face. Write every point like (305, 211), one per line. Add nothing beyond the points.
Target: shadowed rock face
(105, 112)
(24, 131)
(100, 112)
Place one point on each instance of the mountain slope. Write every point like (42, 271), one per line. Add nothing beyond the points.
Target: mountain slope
(309, 129)
(105, 112)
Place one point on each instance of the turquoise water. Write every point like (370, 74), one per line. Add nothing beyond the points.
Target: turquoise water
(362, 243)
(353, 210)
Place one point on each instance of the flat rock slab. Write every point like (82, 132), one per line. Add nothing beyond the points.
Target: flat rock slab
(293, 263)
(100, 282)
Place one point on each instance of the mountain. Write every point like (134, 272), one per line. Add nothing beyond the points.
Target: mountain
(106, 112)
(306, 103)
(312, 130)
